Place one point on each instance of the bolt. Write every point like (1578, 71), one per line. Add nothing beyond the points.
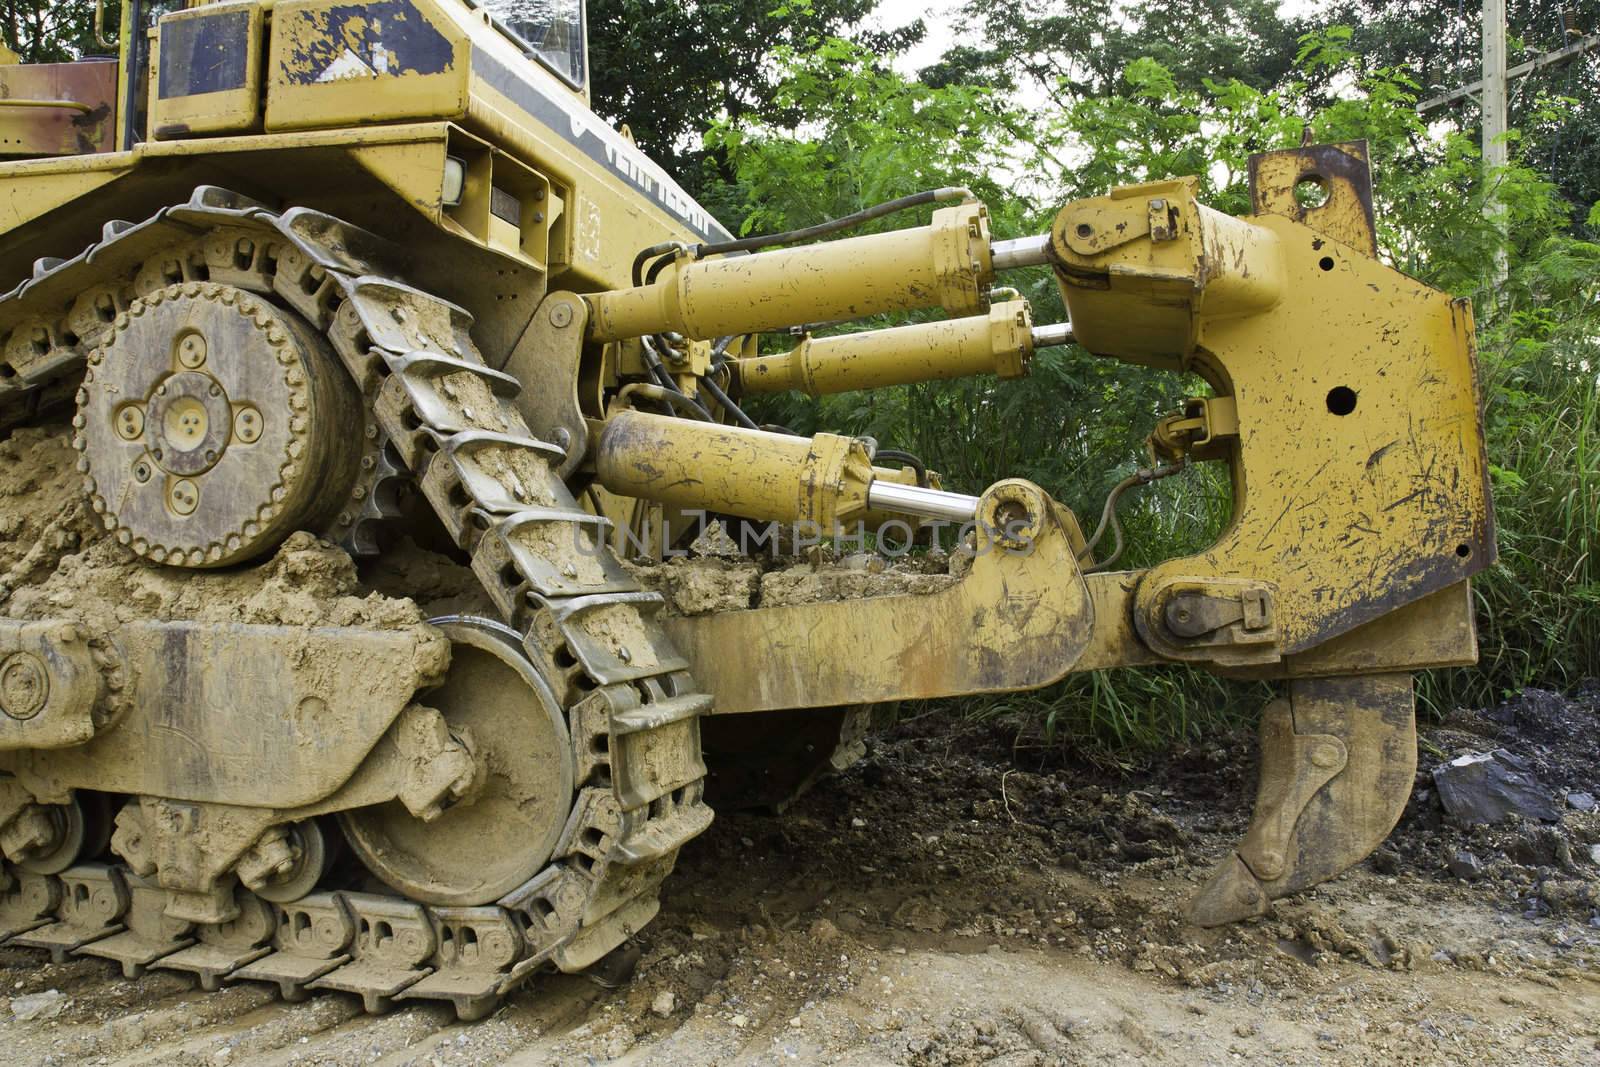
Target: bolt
(624, 655)
(184, 496)
(561, 315)
(216, 390)
(247, 425)
(161, 390)
(141, 471)
(24, 686)
(130, 423)
(192, 351)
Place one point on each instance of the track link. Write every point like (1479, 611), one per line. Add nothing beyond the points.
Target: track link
(440, 413)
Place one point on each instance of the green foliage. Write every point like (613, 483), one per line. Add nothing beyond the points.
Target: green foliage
(665, 67)
(53, 31)
(1439, 44)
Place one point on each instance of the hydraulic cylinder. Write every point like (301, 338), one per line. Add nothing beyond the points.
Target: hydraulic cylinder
(756, 474)
(946, 264)
(998, 343)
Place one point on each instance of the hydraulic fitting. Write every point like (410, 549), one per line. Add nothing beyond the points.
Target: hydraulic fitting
(998, 343)
(945, 264)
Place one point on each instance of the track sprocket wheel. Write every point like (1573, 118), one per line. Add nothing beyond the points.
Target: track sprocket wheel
(212, 425)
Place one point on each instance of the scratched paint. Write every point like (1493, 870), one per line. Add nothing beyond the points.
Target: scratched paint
(381, 39)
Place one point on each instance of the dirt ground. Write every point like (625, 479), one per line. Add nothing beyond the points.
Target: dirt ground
(953, 898)
(950, 900)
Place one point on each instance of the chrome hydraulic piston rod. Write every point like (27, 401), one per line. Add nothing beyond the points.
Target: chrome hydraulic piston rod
(924, 503)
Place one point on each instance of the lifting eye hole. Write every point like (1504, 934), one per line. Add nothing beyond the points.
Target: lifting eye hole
(1311, 191)
(1464, 551)
(1341, 400)
(1326, 262)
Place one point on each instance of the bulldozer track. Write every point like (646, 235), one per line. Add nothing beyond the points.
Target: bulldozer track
(436, 412)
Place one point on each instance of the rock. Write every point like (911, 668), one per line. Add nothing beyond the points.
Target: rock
(921, 915)
(1465, 865)
(739, 1022)
(1581, 801)
(1489, 787)
(858, 824)
(1594, 853)
(665, 1003)
(824, 932)
(36, 1006)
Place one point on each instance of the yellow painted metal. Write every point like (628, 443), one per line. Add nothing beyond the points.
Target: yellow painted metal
(1138, 291)
(41, 185)
(1327, 187)
(1358, 468)
(729, 469)
(1019, 620)
(943, 264)
(322, 71)
(998, 343)
(220, 111)
(8, 57)
(604, 199)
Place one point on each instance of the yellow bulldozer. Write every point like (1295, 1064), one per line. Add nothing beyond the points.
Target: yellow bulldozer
(371, 268)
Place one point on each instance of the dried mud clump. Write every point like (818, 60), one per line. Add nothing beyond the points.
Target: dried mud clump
(56, 561)
(700, 586)
(706, 582)
(43, 515)
(307, 582)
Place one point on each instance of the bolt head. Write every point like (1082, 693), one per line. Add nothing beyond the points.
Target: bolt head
(183, 496)
(192, 351)
(561, 315)
(129, 422)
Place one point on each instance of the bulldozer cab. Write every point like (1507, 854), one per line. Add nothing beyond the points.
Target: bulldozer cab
(554, 32)
(103, 103)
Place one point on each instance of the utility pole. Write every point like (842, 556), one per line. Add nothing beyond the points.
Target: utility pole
(1493, 96)
(1492, 92)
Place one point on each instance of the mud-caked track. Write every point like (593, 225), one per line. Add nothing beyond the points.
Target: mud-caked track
(430, 410)
(957, 900)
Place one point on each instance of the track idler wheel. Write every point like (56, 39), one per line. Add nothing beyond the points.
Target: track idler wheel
(1338, 759)
(504, 831)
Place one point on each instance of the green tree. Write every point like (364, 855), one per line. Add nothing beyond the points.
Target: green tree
(1440, 45)
(53, 31)
(1073, 51)
(668, 67)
